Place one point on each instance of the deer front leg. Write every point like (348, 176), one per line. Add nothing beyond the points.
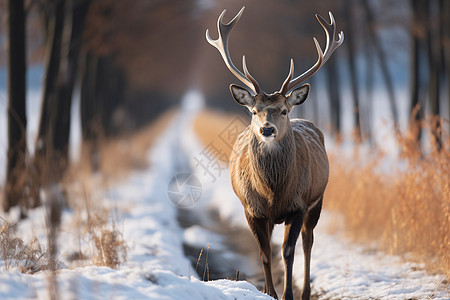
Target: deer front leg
(292, 227)
(312, 217)
(308, 239)
(262, 230)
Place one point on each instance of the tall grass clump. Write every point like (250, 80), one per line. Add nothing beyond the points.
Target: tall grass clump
(404, 209)
(97, 228)
(110, 247)
(26, 257)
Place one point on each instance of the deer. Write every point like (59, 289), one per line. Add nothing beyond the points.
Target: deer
(279, 167)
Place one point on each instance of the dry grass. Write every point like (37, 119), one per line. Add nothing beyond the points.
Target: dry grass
(219, 129)
(404, 211)
(26, 257)
(100, 242)
(110, 247)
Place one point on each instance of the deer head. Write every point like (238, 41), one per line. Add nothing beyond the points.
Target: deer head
(270, 119)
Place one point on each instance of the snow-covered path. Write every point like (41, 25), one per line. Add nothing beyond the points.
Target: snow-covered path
(157, 267)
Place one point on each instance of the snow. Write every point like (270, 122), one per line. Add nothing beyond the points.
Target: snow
(157, 267)
(345, 270)
(197, 236)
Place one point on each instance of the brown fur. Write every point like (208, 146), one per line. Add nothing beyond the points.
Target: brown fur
(272, 183)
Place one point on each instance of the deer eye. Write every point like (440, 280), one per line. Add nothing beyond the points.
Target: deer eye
(284, 112)
(254, 112)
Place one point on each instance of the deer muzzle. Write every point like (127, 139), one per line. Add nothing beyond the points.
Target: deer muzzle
(266, 131)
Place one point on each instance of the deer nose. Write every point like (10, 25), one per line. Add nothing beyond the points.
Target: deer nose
(266, 131)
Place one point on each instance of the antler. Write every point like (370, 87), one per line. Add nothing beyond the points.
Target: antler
(222, 45)
(332, 45)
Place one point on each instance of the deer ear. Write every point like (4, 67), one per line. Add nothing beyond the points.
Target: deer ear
(242, 95)
(298, 96)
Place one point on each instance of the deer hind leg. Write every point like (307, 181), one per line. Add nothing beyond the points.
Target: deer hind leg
(262, 230)
(292, 227)
(312, 217)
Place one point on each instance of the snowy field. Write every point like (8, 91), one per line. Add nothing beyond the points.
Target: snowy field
(157, 267)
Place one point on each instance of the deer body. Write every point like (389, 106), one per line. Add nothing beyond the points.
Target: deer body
(276, 180)
(279, 168)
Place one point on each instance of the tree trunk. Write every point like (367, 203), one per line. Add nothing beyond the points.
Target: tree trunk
(350, 44)
(17, 121)
(383, 62)
(434, 62)
(89, 111)
(89, 69)
(68, 69)
(369, 86)
(46, 161)
(446, 46)
(334, 97)
(110, 87)
(417, 105)
(65, 29)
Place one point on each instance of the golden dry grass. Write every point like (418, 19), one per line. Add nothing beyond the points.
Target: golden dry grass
(109, 245)
(403, 211)
(220, 129)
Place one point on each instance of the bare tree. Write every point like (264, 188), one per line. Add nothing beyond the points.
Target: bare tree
(88, 109)
(382, 58)
(55, 12)
(417, 48)
(76, 11)
(351, 51)
(64, 28)
(17, 121)
(333, 89)
(434, 41)
(446, 46)
(369, 88)
(428, 32)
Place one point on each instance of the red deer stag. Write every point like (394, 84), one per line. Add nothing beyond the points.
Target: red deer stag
(279, 167)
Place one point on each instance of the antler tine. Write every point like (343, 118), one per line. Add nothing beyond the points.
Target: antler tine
(222, 45)
(286, 82)
(331, 45)
(330, 27)
(249, 76)
(289, 84)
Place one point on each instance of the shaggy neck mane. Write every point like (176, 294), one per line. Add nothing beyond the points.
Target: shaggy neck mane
(273, 163)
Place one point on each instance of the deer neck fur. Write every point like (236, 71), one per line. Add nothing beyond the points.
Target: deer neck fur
(272, 165)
